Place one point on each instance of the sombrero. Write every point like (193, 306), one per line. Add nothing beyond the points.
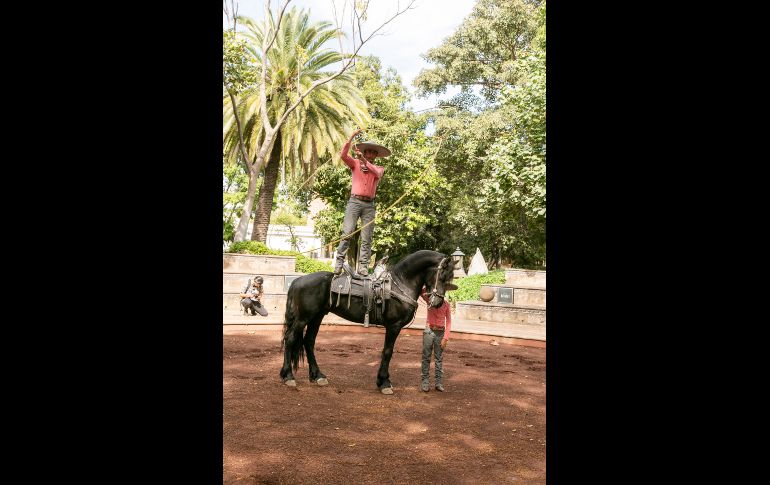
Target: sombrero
(370, 145)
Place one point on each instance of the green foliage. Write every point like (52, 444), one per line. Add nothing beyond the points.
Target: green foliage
(500, 145)
(312, 132)
(468, 288)
(249, 247)
(303, 264)
(328, 223)
(506, 211)
(297, 58)
(235, 184)
(417, 221)
(517, 159)
(483, 50)
(486, 187)
(287, 219)
(308, 265)
(238, 63)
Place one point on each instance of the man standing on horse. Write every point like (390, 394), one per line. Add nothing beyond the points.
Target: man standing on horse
(365, 177)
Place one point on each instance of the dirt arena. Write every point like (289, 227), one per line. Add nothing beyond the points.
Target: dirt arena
(488, 427)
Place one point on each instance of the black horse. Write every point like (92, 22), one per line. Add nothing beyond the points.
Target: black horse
(308, 301)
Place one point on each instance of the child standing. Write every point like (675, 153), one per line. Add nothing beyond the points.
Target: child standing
(434, 340)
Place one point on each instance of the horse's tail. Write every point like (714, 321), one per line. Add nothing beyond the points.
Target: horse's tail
(292, 330)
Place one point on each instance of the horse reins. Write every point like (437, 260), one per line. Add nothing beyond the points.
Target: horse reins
(401, 294)
(435, 293)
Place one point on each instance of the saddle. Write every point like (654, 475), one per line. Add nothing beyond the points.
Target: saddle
(375, 290)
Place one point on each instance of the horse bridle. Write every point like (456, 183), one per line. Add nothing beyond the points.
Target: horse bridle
(434, 293)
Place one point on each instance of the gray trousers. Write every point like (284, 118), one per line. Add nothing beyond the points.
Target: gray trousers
(365, 210)
(254, 306)
(431, 342)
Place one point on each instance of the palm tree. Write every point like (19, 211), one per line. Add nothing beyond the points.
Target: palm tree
(317, 127)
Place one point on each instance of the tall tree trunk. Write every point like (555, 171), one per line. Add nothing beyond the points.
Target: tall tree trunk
(266, 193)
(291, 163)
(313, 160)
(240, 229)
(248, 203)
(305, 172)
(494, 257)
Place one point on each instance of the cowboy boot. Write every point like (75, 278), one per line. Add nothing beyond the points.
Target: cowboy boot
(363, 269)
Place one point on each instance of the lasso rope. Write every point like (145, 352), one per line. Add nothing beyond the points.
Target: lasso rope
(379, 213)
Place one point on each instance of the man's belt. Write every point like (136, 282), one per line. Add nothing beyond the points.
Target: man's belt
(363, 197)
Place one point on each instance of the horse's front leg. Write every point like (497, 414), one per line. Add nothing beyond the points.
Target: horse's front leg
(383, 377)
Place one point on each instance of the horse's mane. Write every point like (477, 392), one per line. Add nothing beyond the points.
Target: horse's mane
(411, 259)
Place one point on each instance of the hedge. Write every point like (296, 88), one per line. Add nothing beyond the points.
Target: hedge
(468, 288)
(303, 265)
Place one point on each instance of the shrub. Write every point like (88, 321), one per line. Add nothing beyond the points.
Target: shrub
(249, 247)
(303, 264)
(309, 265)
(468, 288)
(287, 219)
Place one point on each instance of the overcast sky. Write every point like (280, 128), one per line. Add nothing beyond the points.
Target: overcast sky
(405, 38)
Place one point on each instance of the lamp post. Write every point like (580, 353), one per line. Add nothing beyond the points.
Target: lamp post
(457, 256)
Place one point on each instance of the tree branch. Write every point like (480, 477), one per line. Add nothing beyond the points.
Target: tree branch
(359, 17)
(338, 23)
(398, 12)
(227, 11)
(262, 85)
(242, 146)
(325, 80)
(278, 25)
(266, 44)
(231, 13)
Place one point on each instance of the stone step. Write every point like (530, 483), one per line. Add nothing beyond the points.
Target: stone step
(521, 334)
(251, 264)
(525, 278)
(233, 317)
(500, 312)
(234, 282)
(508, 330)
(519, 295)
(275, 303)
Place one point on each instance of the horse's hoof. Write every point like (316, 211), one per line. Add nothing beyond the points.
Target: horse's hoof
(291, 383)
(387, 390)
(322, 382)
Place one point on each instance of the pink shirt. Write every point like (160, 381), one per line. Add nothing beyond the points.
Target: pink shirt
(364, 183)
(440, 317)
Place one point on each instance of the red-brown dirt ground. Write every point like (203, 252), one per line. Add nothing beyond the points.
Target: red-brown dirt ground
(488, 427)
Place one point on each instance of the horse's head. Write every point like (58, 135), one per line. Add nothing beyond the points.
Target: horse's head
(440, 281)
